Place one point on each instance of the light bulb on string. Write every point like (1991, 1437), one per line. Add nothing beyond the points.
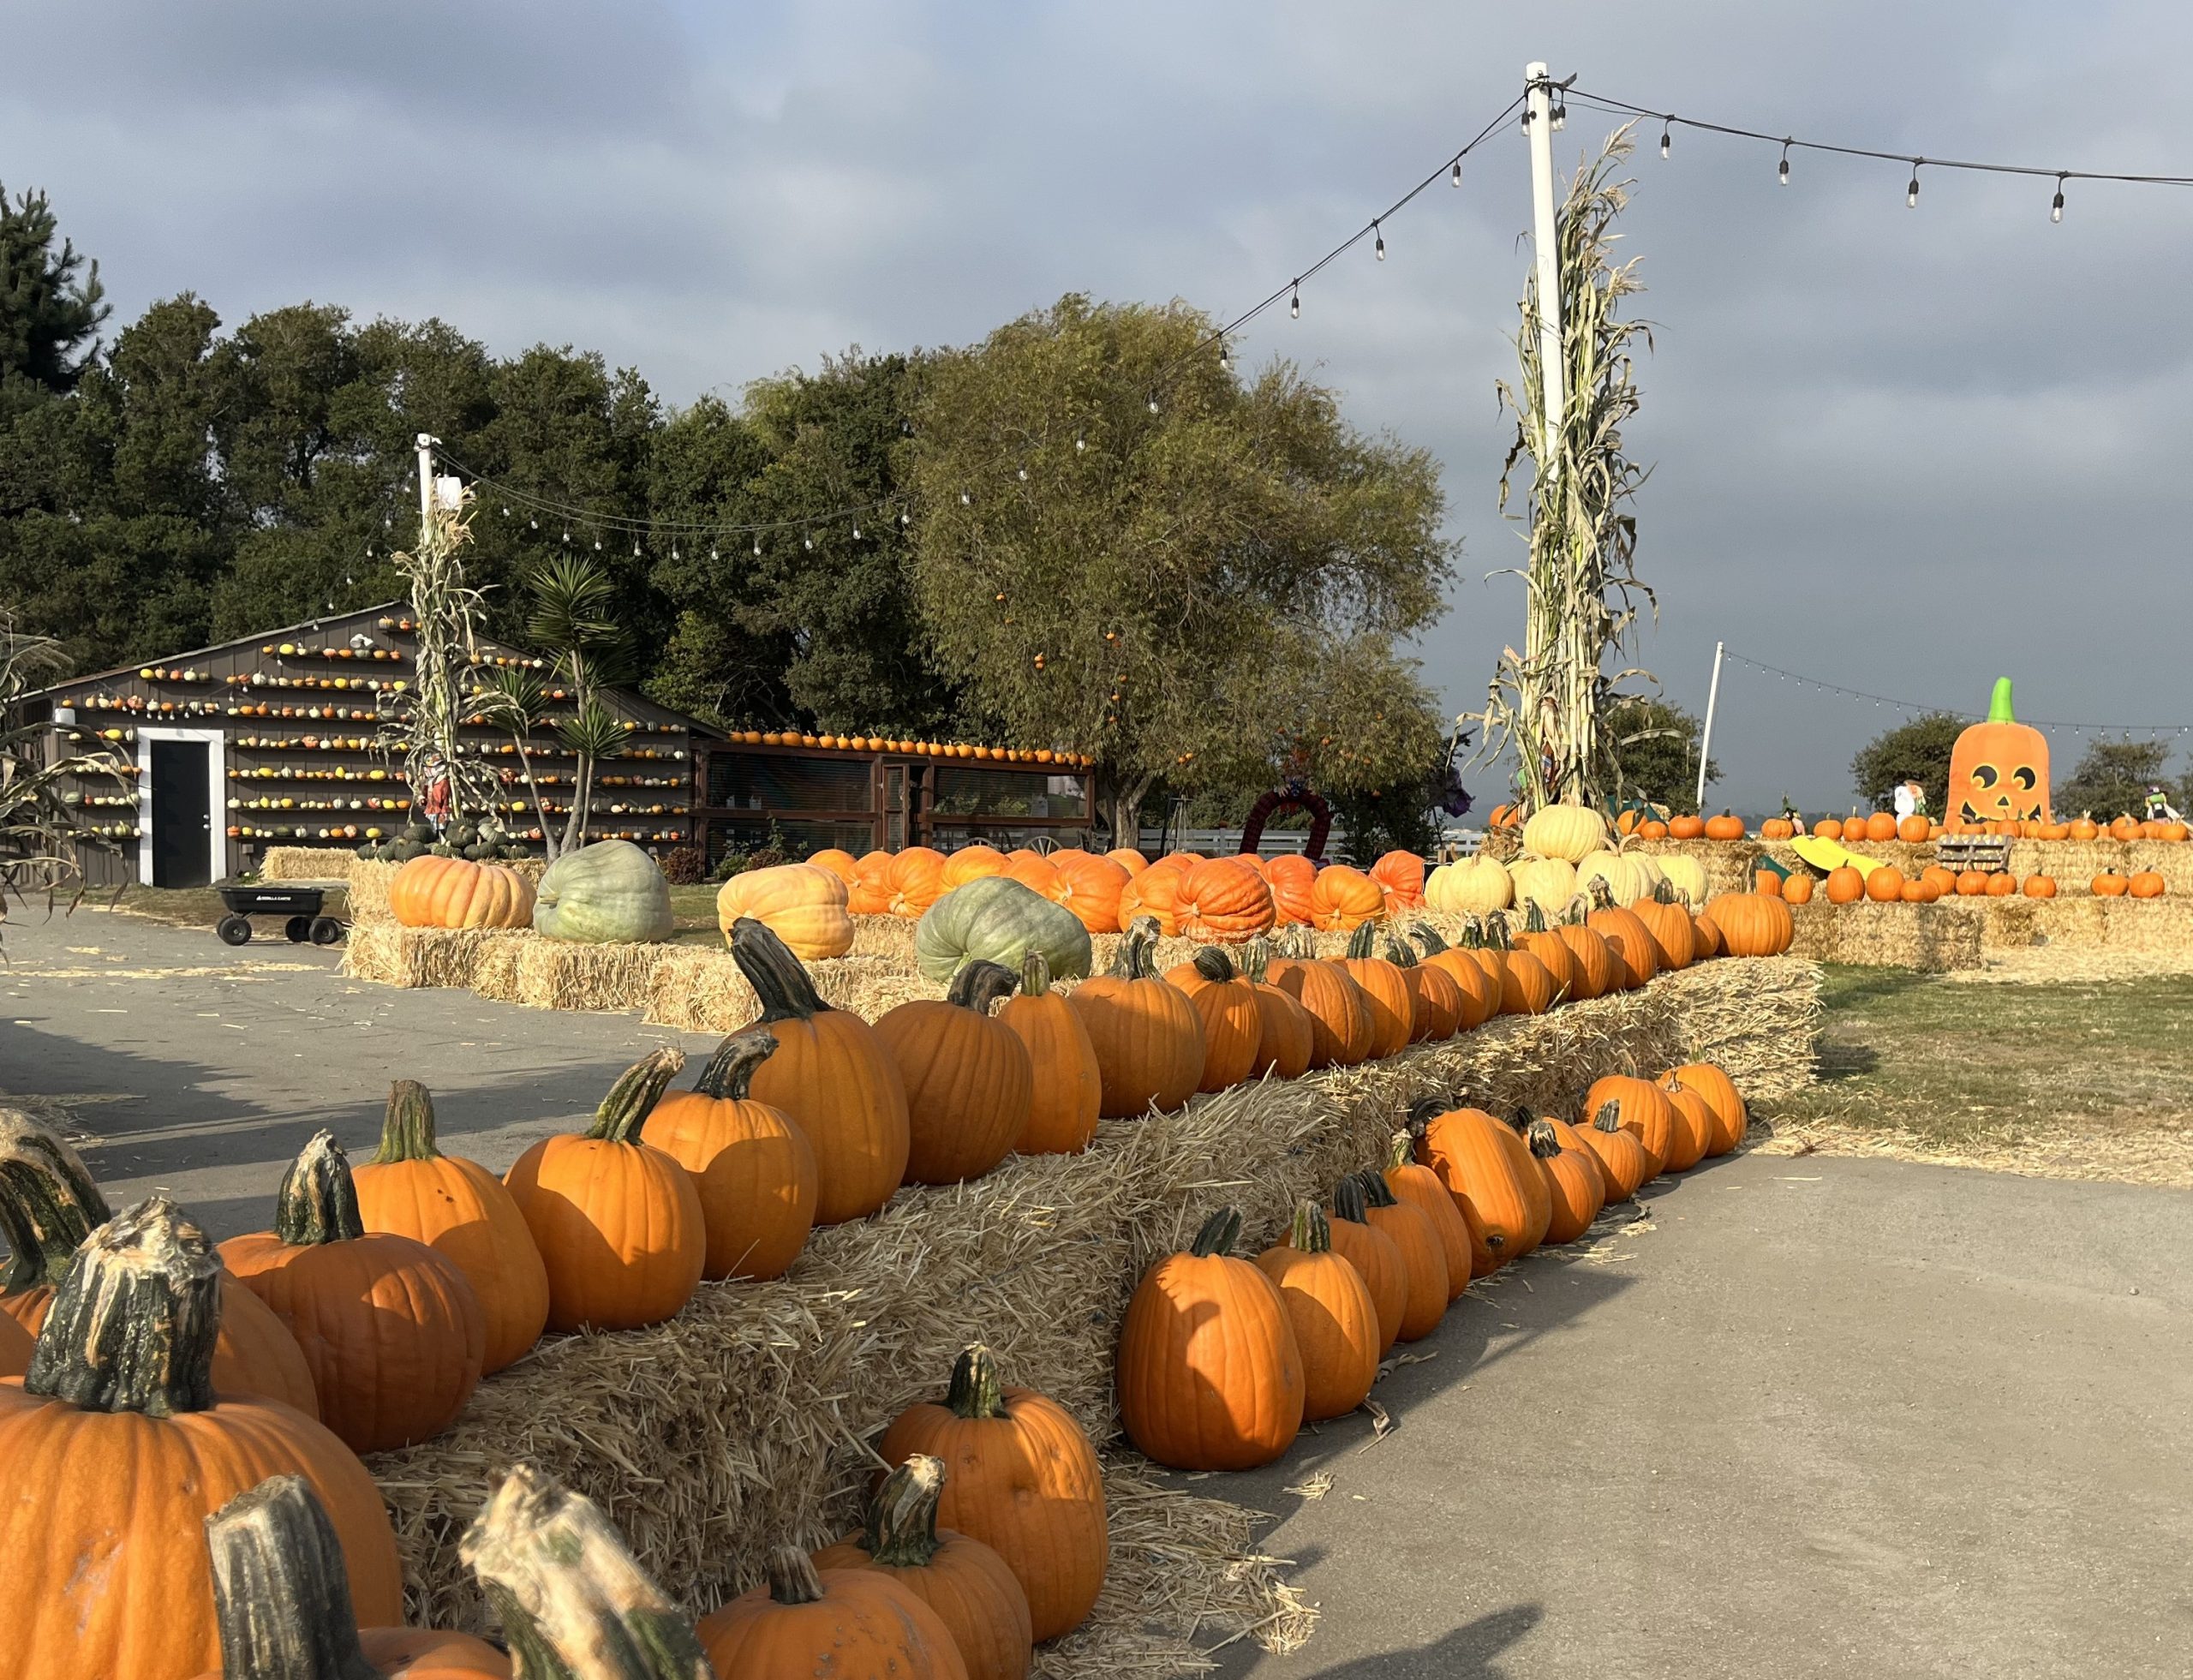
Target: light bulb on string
(1080, 443)
(855, 533)
(713, 554)
(1153, 402)
(965, 500)
(906, 518)
(807, 541)
(597, 544)
(757, 547)
(506, 510)
(567, 536)
(1378, 237)
(1295, 300)
(1783, 172)
(1225, 357)
(2056, 205)
(1911, 192)
(673, 551)
(1667, 127)
(1560, 114)
(1022, 475)
(533, 524)
(1454, 174)
(636, 551)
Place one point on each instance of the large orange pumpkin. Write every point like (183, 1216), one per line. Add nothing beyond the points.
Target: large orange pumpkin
(916, 880)
(1131, 859)
(1374, 1255)
(1400, 876)
(1037, 874)
(1412, 1182)
(618, 1221)
(841, 864)
(1489, 1171)
(1642, 1110)
(1386, 993)
(1232, 1024)
(1328, 1306)
(1674, 936)
(972, 862)
(832, 1075)
(1210, 1376)
(804, 905)
(1753, 925)
(869, 892)
(1639, 950)
(1574, 1180)
(1068, 1086)
(1423, 1257)
(969, 1079)
(974, 1593)
(1479, 997)
(1339, 1015)
(1146, 1034)
(1224, 902)
(1527, 985)
(1287, 1039)
(462, 1211)
(1722, 1101)
(1092, 889)
(1435, 999)
(115, 1449)
(1292, 878)
(848, 1623)
(751, 1164)
(432, 892)
(1021, 1477)
(1595, 967)
(1622, 1159)
(1344, 899)
(1998, 770)
(1154, 894)
(1693, 1128)
(392, 1330)
(1845, 885)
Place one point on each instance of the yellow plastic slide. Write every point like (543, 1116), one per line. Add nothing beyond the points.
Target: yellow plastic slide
(1827, 854)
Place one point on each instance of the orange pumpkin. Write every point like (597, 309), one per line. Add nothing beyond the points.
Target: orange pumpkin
(1885, 885)
(2145, 884)
(804, 905)
(1223, 903)
(1625, 1162)
(1673, 935)
(1068, 1087)
(1845, 885)
(1972, 884)
(847, 1623)
(1479, 997)
(1724, 1102)
(1798, 889)
(1232, 1024)
(1155, 894)
(1693, 1129)
(1639, 950)
(1328, 1306)
(915, 881)
(1642, 1110)
(1527, 985)
(1344, 899)
(1688, 826)
(1128, 859)
(1208, 1376)
(1489, 1171)
(2040, 887)
(1421, 1188)
(2002, 884)
(393, 1332)
(1385, 993)
(1375, 1255)
(1998, 768)
(843, 864)
(869, 892)
(1292, 879)
(1339, 1015)
(1576, 1187)
(1287, 1039)
(972, 862)
(1092, 889)
(1595, 968)
(968, 1078)
(1146, 1034)
(1423, 1257)
(1752, 924)
(1400, 876)
(1726, 826)
(751, 1164)
(1916, 891)
(1553, 953)
(1435, 1001)
(433, 892)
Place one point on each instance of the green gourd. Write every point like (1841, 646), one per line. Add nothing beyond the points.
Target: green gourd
(998, 920)
(610, 893)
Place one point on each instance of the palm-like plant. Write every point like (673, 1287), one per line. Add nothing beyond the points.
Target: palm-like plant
(573, 620)
(41, 825)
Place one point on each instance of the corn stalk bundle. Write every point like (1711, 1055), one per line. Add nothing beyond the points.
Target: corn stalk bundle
(444, 609)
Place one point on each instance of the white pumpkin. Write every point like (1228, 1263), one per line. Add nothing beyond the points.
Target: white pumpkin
(1469, 886)
(1687, 875)
(1549, 882)
(1565, 832)
(1624, 875)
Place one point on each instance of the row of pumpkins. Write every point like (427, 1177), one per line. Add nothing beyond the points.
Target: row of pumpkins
(1877, 826)
(1222, 1360)
(137, 1450)
(1884, 883)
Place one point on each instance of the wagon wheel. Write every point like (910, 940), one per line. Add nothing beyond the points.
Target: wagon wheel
(234, 929)
(326, 930)
(1042, 846)
(297, 929)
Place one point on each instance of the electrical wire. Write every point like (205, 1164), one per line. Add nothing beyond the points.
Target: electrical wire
(1953, 711)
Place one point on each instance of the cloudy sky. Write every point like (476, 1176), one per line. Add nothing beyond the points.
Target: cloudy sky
(1904, 452)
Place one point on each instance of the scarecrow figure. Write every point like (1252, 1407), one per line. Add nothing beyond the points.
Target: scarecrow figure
(435, 793)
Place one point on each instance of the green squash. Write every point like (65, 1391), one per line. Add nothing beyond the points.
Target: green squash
(1000, 921)
(610, 893)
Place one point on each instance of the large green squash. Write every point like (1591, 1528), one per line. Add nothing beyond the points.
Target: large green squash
(1000, 921)
(610, 893)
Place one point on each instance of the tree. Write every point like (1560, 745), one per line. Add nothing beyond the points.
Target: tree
(2112, 778)
(49, 311)
(1551, 701)
(1207, 594)
(1657, 744)
(573, 617)
(1915, 751)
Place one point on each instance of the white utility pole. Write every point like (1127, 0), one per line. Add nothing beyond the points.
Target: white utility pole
(1705, 740)
(426, 442)
(1551, 368)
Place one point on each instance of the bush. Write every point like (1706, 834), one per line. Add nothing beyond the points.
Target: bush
(685, 866)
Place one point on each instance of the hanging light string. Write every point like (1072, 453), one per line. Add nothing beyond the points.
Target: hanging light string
(537, 508)
(1913, 706)
(1786, 144)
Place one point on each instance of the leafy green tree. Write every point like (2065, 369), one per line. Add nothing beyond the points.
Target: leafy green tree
(51, 308)
(2112, 778)
(1188, 594)
(1657, 743)
(1915, 751)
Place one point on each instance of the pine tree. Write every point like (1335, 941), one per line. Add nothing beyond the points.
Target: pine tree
(49, 316)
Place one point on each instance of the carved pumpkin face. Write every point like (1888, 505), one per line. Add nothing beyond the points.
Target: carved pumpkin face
(1998, 770)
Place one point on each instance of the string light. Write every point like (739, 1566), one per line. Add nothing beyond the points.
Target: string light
(965, 500)
(1454, 176)
(855, 533)
(1024, 479)
(1911, 192)
(757, 547)
(1294, 302)
(1667, 126)
(1080, 443)
(906, 518)
(1560, 112)
(807, 541)
(1783, 172)
(1379, 247)
(2056, 206)
(1225, 357)
(1153, 402)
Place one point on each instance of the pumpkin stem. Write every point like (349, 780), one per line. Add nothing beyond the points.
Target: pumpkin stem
(318, 1202)
(48, 1203)
(1609, 1118)
(1545, 1141)
(1348, 1200)
(792, 1577)
(1358, 942)
(133, 1325)
(1601, 894)
(1422, 1112)
(901, 1532)
(729, 1072)
(1533, 916)
(980, 984)
(1376, 1192)
(1218, 1234)
(1035, 974)
(1256, 960)
(408, 1134)
(1132, 959)
(1401, 1149)
(1311, 1232)
(783, 986)
(1495, 932)
(572, 1603)
(637, 1091)
(281, 1595)
(1427, 938)
(976, 1391)
(1999, 704)
(1214, 965)
(1398, 952)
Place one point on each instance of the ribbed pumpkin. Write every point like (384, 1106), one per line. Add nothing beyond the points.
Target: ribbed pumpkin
(1694, 1127)
(802, 906)
(1722, 1101)
(1232, 1024)
(1435, 1000)
(1021, 1477)
(848, 1624)
(1565, 832)
(1328, 1306)
(1209, 1375)
(618, 1221)
(973, 1592)
(969, 1079)
(607, 893)
(432, 892)
(1036, 873)
(1424, 1256)
(282, 1602)
(1752, 924)
(972, 862)
(1489, 1171)
(1154, 894)
(1421, 1188)
(1343, 899)
(1640, 952)
(1624, 1163)
(392, 1330)
(1479, 997)
(116, 1448)
(1551, 951)
(1400, 876)
(1092, 888)
(916, 880)
(1339, 1015)
(1709, 936)
(1287, 1039)
(1469, 886)
(1642, 1110)
(1068, 1086)
(1527, 985)
(461, 1210)
(1147, 1036)
(1687, 875)
(832, 1075)
(869, 893)
(1674, 936)
(1548, 883)
(48, 1205)
(1131, 859)
(1594, 969)
(1385, 992)
(1625, 873)
(841, 864)
(1375, 1255)
(751, 1165)
(1000, 919)
(1224, 903)
(1292, 878)
(1574, 1178)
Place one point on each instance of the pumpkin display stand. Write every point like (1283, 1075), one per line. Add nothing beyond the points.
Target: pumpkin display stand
(739, 1425)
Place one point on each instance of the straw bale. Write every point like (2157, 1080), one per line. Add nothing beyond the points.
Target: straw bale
(1957, 933)
(888, 937)
(307, 862)
(1936, 936)
(401, 956)
(744, 1422)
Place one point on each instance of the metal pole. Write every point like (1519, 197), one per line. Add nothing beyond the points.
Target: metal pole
(426, 442)
(1552, 370)
(1705, 741)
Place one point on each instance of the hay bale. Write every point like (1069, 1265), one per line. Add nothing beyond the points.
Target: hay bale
(744, 1423)
(417, 957)
(1954, 933)
(307, 862)
(1936, 936)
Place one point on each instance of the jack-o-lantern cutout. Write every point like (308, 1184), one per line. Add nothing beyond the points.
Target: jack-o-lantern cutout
(1998, 770)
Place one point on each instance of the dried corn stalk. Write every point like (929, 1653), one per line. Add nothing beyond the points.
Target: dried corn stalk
(444, 608)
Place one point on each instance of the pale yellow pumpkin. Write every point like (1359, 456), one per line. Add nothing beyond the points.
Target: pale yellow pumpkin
(1687, 875)
(1469, 886)
(1549, 883)
(1625, 876)
(802, 906)
(1565, 832)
